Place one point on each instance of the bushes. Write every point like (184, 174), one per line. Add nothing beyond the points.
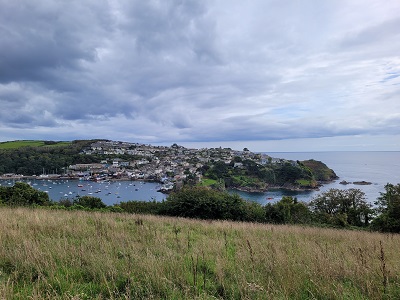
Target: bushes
(142, 207)
(86, 203)
(287, 211)
(205, 203)
(22, 194)
(337, 208)
(90, 202)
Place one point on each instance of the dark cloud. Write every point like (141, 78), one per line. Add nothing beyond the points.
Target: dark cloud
(41, 36)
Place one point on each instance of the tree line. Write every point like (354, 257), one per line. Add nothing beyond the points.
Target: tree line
(334, 208)
(49, 159)
(33, 160)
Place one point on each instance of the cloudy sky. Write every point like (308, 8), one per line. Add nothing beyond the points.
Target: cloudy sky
(270, 75)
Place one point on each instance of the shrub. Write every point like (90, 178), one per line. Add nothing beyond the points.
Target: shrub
(287, 210)
(66, 202)
(204, 203)
(89, 202)
(22, 194)
(141, 207)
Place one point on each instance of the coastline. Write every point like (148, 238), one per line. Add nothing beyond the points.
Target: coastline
(59, 177)
(288, 187)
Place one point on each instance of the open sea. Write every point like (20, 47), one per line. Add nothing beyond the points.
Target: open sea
(379, 168)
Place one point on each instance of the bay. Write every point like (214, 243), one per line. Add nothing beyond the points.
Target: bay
(379, 168)
(110, 193)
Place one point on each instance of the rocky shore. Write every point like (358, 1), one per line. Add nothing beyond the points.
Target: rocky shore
(289, 187)
(344, 182)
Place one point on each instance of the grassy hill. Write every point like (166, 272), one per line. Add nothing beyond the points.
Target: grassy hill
(51, 254)
(29, 143)
(320, 170)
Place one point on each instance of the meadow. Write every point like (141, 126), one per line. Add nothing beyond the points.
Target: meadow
(56, 254)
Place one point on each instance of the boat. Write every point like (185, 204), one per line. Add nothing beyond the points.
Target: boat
(270, 198)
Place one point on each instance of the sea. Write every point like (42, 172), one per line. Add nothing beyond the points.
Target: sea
(379, 168)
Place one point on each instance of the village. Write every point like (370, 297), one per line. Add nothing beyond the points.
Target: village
(171, 166)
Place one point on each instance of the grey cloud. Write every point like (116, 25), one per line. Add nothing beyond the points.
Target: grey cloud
(197, 70)
(40, 36)
(385, 32)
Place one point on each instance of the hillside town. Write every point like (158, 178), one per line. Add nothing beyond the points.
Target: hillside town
(172, 166)
(169, 165)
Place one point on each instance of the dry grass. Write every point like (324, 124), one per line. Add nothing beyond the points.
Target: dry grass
(48, 254)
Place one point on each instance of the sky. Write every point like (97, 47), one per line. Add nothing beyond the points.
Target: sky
(269, 75)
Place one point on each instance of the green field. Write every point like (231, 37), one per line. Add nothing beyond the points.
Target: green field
(303, 182)
(208, 182)
(28, 143)
(53, 254)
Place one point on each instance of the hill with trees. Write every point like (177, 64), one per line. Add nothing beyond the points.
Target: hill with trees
(36, 157)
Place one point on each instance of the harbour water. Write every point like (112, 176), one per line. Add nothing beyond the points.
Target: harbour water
(111, 192)
(379, 168)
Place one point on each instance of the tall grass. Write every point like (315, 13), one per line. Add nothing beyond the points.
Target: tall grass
(47, 254)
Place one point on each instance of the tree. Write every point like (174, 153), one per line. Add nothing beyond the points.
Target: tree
(388, 205)
(22, 194)
(342, 207)
(287, 211)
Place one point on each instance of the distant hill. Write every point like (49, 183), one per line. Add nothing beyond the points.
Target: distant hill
(31, 143)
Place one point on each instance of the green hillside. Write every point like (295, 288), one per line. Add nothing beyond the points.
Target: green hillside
(30, 143)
